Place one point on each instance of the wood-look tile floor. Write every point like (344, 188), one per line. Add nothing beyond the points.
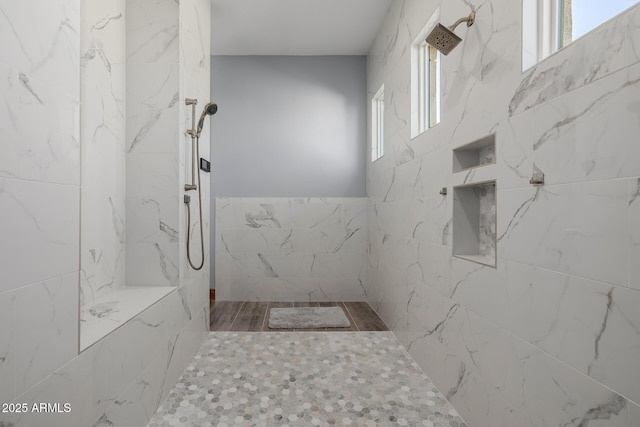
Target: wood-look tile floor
(254, 316)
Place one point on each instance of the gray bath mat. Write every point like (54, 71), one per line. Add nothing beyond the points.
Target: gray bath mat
(307, 317)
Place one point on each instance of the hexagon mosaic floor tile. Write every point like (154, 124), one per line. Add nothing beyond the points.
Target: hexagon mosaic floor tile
(304, 379)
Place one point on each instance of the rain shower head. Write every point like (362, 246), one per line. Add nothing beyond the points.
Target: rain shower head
(209, 110)
(444, 39)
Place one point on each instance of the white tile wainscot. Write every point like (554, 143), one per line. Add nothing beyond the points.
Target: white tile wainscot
(291, 249)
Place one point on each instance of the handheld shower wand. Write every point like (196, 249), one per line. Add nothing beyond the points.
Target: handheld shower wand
(209, 110)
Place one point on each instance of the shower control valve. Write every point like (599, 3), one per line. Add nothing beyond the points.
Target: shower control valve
(205, 165)
(537, 178)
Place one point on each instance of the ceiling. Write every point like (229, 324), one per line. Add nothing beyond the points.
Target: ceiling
(295, 27)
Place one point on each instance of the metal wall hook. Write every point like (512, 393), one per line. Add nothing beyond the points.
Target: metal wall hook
(443, 192)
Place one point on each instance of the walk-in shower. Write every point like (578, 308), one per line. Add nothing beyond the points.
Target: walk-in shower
(444, 39)
(209, 110)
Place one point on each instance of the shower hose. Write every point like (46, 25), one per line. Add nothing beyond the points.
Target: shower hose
(189, 218)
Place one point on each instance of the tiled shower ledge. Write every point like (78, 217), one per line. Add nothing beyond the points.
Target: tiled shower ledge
(113, 310)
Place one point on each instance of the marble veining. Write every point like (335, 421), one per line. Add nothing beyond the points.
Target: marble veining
(487, 220)
(113, 310)
(574, 138)
(547, 336)
(59, 62)
(102, 159)
(634, 233)
(569, 69)
(300, 249)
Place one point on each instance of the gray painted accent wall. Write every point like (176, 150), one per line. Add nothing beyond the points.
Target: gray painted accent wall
(288, 126)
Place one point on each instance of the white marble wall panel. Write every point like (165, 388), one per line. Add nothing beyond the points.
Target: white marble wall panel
(152, 219)
(39, 129)
(39, 191)
(487, 220)
(139, 401)
(291, 289)
(194, 83)
(291, 249)
(194, 30)
(586, 324)
(634, 233)
(584, 135)
(103, 29)
(7, 345)
(153, 130)
(48, 128)
(153, 86)
(46, 323)
(633, 32)
(117, 362)
(43, 45)
(40, 233)
(72, 383)
(152, 31)
(152, 143)
(103, 79)
(634, 415)
(561, 228)
(472, 72)
(602, 52)
(40, 59)
(514, 151)
(538, 388)
(114, 382)
(10, 148)
(547, 337)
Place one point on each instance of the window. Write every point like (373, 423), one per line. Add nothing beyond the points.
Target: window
(425, 82)
(550, 25)
(377, 125)
(581, 16)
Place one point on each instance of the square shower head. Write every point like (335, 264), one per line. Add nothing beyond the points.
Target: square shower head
(443, 39)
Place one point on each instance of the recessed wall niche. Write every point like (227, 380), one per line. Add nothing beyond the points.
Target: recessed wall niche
(474, 222)
(478, 153)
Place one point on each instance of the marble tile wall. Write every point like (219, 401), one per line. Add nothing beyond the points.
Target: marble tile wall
(549, 336)
(152, 143)
(51, 62)
(195, 78)
(39, 190)
(102, 68)
(294, 249)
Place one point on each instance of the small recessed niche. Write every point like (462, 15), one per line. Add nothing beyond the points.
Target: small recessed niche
(478, 153)
(474, 222)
